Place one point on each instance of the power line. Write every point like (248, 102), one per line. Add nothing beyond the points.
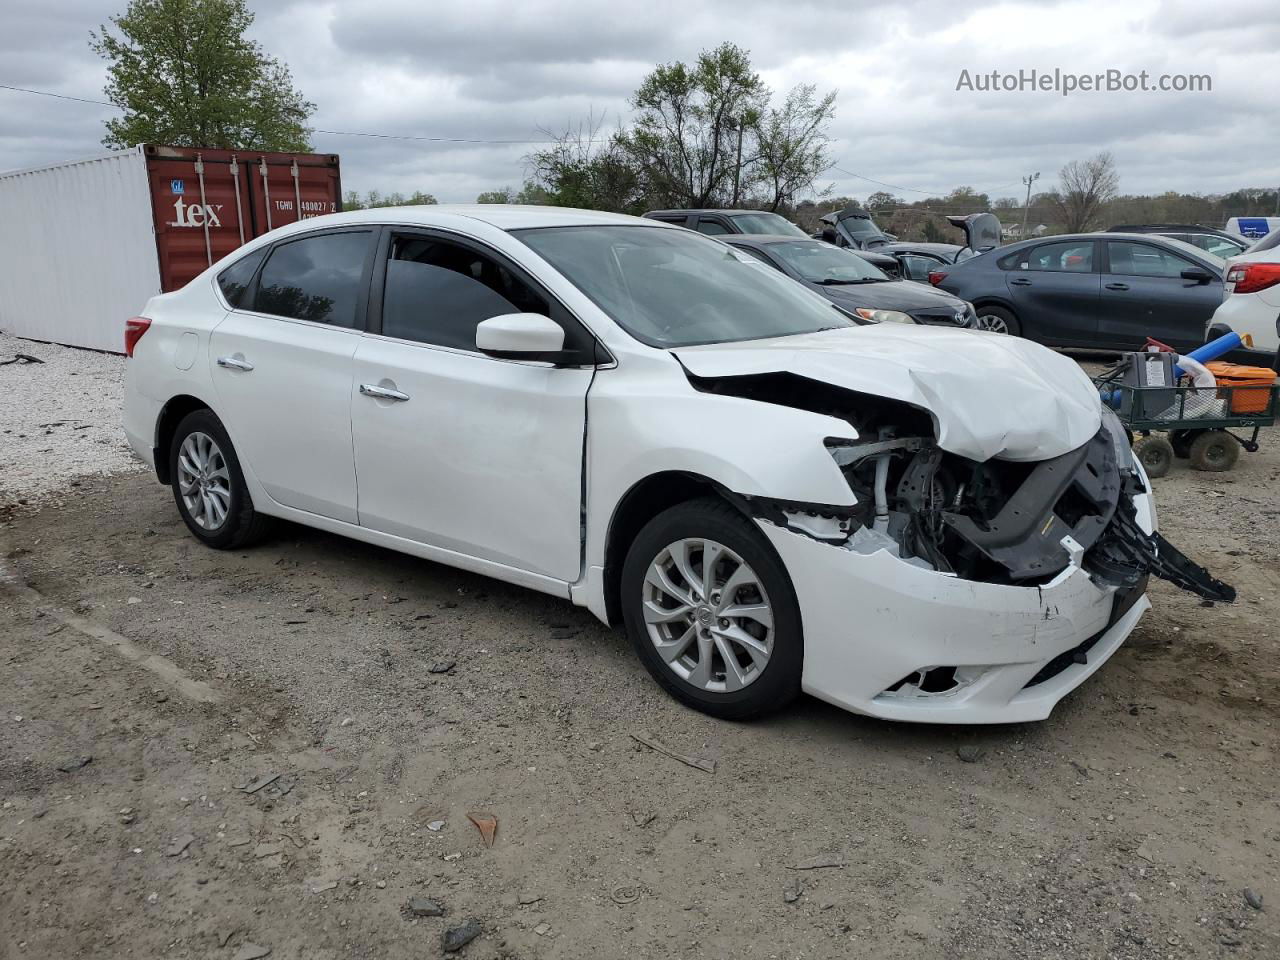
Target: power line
(330, 133)
(60, 96)
(894, 186)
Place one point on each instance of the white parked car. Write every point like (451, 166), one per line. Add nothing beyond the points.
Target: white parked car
(1251, 297)
(773, 496)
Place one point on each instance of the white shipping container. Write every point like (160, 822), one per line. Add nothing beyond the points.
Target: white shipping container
(77, 250)
(85, 245)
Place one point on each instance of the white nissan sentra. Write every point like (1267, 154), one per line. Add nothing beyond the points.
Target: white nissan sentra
(772, 495)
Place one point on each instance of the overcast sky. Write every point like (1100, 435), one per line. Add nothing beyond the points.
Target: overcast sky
(501, 70)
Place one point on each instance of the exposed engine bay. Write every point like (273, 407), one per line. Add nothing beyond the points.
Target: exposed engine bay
(998, 521)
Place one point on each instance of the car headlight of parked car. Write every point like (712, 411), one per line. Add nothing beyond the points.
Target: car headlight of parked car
(883, 316)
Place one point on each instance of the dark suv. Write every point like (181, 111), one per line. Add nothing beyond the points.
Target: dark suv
(719, 222)
(1209, 239)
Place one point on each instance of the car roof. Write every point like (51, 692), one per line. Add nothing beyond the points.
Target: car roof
(905, 245)
(504, 216)
(1157, 227)
(764, 239)
(701, 210)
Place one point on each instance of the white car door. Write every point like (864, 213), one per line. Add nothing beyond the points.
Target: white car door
(456, 449)
(282, 368)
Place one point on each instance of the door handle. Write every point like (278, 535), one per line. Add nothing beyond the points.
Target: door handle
(1020, 282)
(1117, 286)
(382, 393)
(235, 363)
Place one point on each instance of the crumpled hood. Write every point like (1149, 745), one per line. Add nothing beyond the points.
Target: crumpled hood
(990, 395)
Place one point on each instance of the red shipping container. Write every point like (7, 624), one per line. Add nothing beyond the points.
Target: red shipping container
(208, 202)
(86, 244)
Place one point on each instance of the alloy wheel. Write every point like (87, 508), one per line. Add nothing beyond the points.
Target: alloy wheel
(992, 323)
(708, 616)
(204, 481)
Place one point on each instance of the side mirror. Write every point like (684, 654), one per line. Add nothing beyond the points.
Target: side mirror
(1196, 274)
(521, 336)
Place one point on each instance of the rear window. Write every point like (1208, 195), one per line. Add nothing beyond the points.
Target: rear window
(1269, 242)
(234, 281)
(316, 278)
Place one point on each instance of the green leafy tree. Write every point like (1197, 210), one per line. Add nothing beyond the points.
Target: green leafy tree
(183, 73)
(583, 169)
(505, 195)
(351, 200)
(690, 125)
(791, 145)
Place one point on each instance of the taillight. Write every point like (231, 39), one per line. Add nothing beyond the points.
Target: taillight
(1252, 277)
(134, 328)
(936, 277)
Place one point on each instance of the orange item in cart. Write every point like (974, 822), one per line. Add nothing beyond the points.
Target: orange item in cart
(1238, 376)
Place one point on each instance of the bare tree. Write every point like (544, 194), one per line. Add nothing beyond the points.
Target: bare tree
(1085, 186)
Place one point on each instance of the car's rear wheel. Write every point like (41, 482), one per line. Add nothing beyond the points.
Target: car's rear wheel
(997, 320)
(1155, 453)
(711, 611)
(208, 485)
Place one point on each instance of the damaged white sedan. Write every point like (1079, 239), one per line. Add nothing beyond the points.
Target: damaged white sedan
(771, 495)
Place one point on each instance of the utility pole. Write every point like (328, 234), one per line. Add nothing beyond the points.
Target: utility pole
(737, 169)
(1028, 180)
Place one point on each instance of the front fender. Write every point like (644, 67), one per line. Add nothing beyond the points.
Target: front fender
(746, 446)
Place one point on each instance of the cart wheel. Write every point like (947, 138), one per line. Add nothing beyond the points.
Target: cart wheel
(1215, 451)
(1155, 453)
(1182, 440)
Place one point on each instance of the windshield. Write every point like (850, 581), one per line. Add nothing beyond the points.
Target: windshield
(861, 227)
(820, 262)
(766, 223)
(1188, 248)
(676, 288)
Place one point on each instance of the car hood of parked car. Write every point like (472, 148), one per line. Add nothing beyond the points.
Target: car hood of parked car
(990, 395)
(889, 295)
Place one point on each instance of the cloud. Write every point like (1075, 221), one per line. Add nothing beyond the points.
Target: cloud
(493, 70)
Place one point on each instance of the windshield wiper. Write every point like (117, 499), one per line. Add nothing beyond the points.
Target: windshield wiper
(832, 281)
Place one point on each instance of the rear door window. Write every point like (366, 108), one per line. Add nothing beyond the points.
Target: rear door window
(316, 278)
(1070, 256)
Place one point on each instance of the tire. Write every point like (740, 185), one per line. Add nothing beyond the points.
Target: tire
(1214, 451)
(1155, 453)
(772, 672)
(998, 320)
(224, 517)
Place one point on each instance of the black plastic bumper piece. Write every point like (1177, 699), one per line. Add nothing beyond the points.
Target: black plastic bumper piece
(1127, 553)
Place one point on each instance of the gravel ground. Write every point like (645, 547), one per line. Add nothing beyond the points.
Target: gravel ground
(393, 697)
(59, 420)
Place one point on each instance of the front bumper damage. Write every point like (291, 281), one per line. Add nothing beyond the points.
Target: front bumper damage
(967, 592)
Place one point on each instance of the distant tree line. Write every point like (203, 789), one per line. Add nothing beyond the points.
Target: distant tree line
(707, 134)
(353, 200)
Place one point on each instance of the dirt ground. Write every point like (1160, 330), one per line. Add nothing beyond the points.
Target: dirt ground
(1129, 825)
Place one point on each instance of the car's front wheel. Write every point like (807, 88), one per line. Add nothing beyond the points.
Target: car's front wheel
(711, 611)
(997, 320)
(209, 486)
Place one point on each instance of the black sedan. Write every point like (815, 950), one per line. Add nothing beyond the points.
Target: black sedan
(852, 283)
(1104, 290)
